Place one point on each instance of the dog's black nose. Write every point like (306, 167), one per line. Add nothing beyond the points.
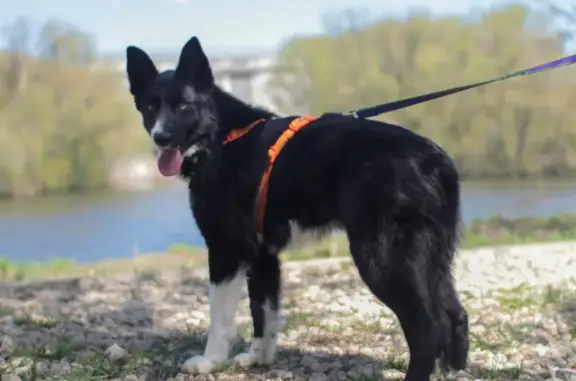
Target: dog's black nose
(162, 138)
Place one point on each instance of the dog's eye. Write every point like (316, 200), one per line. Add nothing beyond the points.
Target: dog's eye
(152, 107)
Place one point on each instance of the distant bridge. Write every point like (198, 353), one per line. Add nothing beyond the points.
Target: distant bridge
(245, 76)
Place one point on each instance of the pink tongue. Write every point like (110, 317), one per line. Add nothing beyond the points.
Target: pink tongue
(169, 161)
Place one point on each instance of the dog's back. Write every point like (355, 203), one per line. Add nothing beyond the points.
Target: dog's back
(399, 171)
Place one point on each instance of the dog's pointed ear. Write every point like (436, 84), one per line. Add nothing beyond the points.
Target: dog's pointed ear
(194, 67)
(140, 69)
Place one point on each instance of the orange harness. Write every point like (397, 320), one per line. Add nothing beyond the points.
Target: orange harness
(295, 125)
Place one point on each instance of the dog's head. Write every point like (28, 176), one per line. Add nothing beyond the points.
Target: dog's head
(176, 105)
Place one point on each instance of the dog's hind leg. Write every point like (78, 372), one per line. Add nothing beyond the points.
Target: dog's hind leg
(392, 255)
(392, 272)
(264, 292)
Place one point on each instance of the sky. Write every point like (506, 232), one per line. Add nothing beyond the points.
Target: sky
(221, 25)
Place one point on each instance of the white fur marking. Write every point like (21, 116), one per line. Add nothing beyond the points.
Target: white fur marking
(158, 128)
(251, 357)
(271, 329)
(224, 300)
(192, 150)
(263, 350)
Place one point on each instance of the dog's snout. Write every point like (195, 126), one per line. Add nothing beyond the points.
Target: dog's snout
(162, 138)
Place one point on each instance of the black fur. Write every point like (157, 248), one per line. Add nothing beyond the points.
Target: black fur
(395, 193)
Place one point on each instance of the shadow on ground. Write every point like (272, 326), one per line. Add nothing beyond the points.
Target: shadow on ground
(65, 326)
(56, 332)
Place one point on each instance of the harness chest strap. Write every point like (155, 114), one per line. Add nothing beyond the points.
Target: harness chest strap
(295, 125)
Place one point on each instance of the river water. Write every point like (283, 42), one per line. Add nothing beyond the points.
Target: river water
(92, 227)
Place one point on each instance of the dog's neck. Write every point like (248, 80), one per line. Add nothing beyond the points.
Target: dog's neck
(233, 113)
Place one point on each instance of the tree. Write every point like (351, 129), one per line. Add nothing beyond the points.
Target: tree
(69, 123)
(521, 127)
(64, 42)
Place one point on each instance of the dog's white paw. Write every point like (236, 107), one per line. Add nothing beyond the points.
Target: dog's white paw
(200, 365)
(261, 352)
(269, 352)
(246, 359)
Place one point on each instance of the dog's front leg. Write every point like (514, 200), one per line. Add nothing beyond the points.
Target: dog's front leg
(264, 292)
(227, 279)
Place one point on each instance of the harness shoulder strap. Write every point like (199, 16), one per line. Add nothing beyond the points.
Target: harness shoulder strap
(295, 125)
(237, 134)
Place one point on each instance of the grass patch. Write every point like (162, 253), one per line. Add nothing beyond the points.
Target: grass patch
(296, 320)
(498, 230)
(501, 336)
(159, 360)
(511, 373)
(177, 257)
(518, 301)
(30, 322)
(61, 349)
(397, 361)
(522, 296)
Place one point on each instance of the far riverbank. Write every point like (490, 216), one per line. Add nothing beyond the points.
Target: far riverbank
(496, 231)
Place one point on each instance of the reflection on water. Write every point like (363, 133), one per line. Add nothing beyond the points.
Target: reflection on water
(106, 225)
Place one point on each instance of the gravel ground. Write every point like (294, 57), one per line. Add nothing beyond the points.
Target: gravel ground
(142, 326)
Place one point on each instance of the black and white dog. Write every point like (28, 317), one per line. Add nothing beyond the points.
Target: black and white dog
(396, 195)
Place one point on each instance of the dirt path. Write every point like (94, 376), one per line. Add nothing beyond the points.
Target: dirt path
(522, 328)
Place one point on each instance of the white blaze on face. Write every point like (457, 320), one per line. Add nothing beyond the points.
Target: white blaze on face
(158, 128)
(169, 158)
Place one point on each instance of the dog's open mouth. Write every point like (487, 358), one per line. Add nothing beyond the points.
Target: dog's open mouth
(170, 159)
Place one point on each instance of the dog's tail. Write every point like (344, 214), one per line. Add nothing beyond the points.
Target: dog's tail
(451, 315)
(453, 320)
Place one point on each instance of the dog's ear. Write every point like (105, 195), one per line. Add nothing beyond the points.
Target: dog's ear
(194, 67)
(140, 69)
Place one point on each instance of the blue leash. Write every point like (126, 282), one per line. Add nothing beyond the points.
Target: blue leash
(372, 111)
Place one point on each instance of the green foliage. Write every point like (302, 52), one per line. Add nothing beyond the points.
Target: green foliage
(517, 128)
(62, 122)
(501, 230)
